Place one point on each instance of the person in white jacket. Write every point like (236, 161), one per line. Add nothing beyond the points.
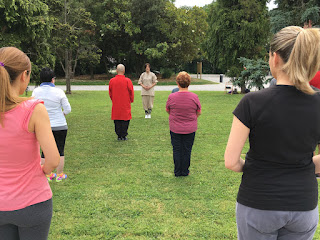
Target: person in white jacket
(57, 105)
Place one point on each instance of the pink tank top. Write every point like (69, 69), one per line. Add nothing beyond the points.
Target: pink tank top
(22, 181)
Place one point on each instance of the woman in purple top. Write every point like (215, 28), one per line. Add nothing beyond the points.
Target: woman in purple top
(184, 108)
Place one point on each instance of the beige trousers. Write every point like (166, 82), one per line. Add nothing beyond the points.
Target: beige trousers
(147, 102)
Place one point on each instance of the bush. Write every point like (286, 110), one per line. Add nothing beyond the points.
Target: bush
(166, 72)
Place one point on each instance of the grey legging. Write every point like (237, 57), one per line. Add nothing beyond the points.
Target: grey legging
(30, 223)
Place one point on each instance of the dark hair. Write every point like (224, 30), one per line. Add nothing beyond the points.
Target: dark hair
(147, 64)
(46, 75)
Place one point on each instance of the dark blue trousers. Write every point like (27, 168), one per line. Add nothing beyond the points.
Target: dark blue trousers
(182, 146)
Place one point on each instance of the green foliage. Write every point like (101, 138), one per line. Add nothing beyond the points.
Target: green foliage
(74, 36)
(254, 74)
(186, 30)
(27, 26)
(65, 34)
(165, 36)
(296, 13)
(237, 29)
(158, 52)
(311, 13)
(114, 21)
(167, 72)
(280, 19)
(75, 33)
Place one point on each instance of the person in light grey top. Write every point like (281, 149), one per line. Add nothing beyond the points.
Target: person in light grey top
(273, 82)
(147, 81)
(57, 105)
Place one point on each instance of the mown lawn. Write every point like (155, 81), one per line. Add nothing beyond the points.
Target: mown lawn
(127, 190)
(103, 79)
(170, 81)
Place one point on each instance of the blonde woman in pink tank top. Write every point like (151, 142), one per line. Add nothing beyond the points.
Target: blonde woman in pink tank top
(25, 195)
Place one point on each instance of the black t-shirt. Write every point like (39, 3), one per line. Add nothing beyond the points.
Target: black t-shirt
(279, 173)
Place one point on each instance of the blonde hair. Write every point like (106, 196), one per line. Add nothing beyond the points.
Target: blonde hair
(183, 79)
(14, 62)
(300, 51)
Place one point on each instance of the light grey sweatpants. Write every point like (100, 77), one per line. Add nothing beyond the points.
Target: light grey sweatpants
(255, 224)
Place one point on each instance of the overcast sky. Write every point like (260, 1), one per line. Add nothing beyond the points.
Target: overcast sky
(201, 3)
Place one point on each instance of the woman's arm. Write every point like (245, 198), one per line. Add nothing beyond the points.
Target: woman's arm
(198, 113)
(155, 83)
(40, 124)
(65, 104)
(145, 87)
(237, 138)
(316, 161)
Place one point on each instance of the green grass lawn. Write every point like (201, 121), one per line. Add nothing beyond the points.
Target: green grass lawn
(134, 81)
(127, 190)
(104, 80)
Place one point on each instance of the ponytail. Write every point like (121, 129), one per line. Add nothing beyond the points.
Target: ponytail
(12, 63)
(4, 89)
(300, 51)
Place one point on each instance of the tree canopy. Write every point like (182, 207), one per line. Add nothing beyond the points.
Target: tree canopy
(87, 36)
(237, 29)
(26, 25)
(299, 13)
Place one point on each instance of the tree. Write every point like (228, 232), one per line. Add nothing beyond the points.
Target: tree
(26, 25)
(149, 44)
(254, 73)
(165, 36)
(72, 37)
(116, 28)
(237, 29)
(185, 29)
(299, 13)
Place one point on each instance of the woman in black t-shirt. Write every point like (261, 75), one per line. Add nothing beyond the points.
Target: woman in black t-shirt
(278, 195)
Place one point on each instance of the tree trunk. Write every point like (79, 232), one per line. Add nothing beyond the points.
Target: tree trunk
(243, 89)
(67, 72)
(91, 73)
(66, 57)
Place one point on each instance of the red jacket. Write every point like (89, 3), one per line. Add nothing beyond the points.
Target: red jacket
(315, 81)
(122, 95)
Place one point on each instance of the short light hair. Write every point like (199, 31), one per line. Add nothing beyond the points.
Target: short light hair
(300, 51)
(121, 68)
(183, 79)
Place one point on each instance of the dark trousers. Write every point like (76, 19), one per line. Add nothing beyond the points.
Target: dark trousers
(60, 137)
(182, 146)
(121, 128)
(32, 222)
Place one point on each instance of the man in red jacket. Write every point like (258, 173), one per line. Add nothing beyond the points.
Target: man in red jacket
(122, 95)
(315, 81)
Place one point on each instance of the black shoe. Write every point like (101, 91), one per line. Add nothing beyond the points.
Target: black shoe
(119, 138)
(124, 138)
